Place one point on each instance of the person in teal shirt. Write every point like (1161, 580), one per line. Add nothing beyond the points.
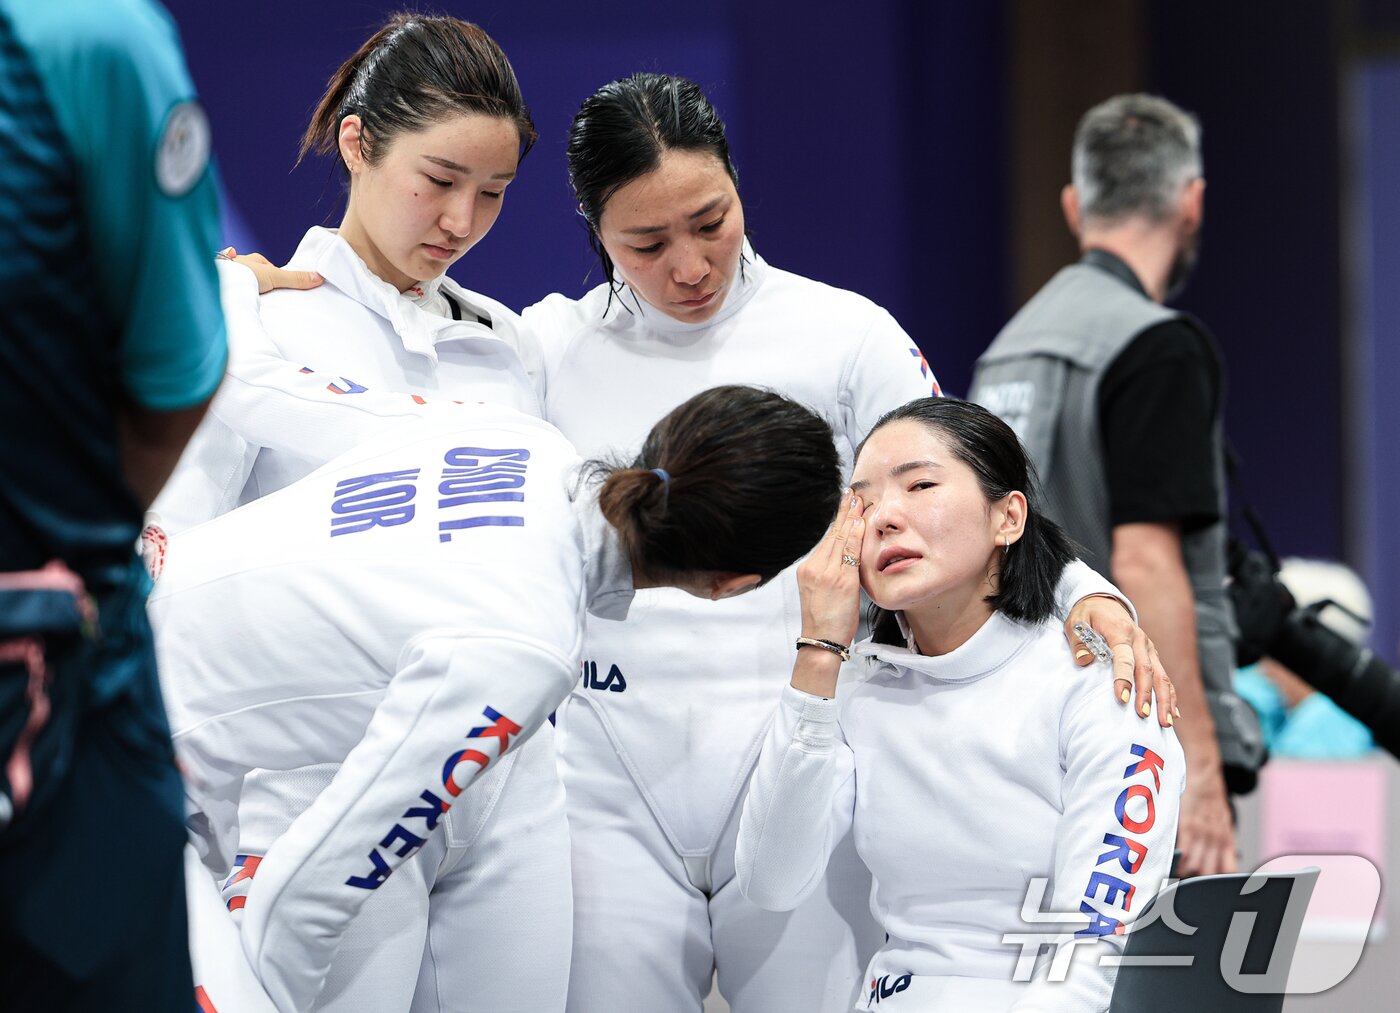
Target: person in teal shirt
(1298, 721)
(111, 343)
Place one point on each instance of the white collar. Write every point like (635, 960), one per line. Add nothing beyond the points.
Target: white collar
(629, 307)
(427, 295)
(324, 251)
(996, 642)
(607, 569)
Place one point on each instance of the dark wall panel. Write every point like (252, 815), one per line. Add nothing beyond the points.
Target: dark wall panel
(1263, 82)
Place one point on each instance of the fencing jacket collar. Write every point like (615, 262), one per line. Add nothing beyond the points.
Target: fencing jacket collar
(992, 647)
(607, 570)
(323, 250)
(627, 305)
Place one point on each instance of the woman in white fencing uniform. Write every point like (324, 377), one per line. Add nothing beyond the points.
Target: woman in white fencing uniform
(971, 757)
(659, 738)
(414, 610)
(429, 124)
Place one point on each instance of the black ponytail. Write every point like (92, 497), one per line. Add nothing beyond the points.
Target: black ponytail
(735, 480)
(410, 74)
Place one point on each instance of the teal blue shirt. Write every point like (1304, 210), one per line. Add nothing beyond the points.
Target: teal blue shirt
(113, 74)
(1316, 729)
(108, 292)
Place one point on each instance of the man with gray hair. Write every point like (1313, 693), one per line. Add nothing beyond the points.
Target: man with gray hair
(1118, 400)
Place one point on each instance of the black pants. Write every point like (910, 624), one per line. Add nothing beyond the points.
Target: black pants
(92, 898)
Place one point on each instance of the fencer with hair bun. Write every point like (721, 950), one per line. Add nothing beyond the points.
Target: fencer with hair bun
(412, 612)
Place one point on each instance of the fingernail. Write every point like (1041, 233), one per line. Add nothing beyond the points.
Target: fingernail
(1124, 696)
(1146, 709)
(855, 501)
(1170, 721)
(1176, 711)
(1081, 653)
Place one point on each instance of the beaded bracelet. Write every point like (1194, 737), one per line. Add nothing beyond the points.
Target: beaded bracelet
(826, 645)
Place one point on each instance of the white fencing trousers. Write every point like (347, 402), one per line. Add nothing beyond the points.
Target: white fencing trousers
(652, 926)
(479, 920)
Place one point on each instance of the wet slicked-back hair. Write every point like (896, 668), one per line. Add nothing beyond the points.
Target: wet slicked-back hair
(622, 130)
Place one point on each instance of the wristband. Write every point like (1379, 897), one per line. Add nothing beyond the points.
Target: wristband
(844, 653)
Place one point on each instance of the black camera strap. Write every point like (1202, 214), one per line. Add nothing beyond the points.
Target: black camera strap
(1246, 510)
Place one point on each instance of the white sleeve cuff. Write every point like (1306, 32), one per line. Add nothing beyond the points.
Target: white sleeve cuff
(1079, 581)
(808, 720)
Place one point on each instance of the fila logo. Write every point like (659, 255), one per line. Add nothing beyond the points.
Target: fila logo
(615, 682)
(883, 988)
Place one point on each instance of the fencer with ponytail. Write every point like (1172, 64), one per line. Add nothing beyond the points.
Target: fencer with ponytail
(413, 72)
(735, 480)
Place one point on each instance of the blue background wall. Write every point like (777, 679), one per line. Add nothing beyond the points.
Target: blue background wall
(872, 144)
(864, 144)
(1373, 410)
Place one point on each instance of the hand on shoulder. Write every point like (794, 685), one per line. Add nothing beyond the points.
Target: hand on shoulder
(269, 275)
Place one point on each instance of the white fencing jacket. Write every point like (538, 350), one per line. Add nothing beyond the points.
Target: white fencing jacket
(700, 678)
(413, 609)
(311, 373)
(967, 777)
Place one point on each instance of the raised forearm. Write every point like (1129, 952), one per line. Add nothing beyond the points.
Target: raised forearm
(815, 672)
(1148, 567)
